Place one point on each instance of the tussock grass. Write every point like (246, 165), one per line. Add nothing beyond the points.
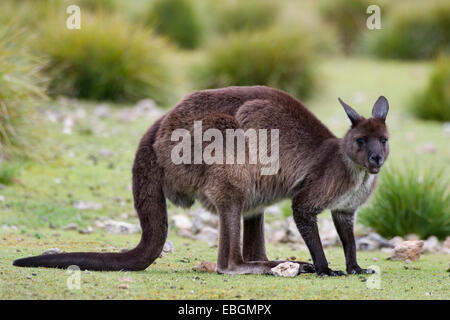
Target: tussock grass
(107, 59)
(410, 202)
(275, 58)
(433, 103)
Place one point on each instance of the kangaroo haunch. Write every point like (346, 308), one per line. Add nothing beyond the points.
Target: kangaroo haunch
(316, 170)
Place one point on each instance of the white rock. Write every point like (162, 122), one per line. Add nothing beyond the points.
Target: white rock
(396, 240)
(431, 245)
(446, 245)
(202, 218)
(208, 234)
(71, 226)
(292, 233)
(286, 269)
(278, 236)
(181, 221)
(119, 227)
(87, 205)
(102, 111)
(328, 233)
(275, 210)
(52, 251)
(168, 248)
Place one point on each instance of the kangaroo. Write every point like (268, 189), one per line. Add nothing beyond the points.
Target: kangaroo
(317, 171)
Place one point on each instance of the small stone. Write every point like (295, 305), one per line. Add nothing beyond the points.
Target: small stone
(431, 245)
(286, 269)
(208, 234)
(407, 250)
(119, 227)
(71, 226)
(202, 218)
(278, 236)
(185, 233)
(168, 248)
(180, 221)
(274, 209)
(88, 230)
(102, 111)
(412, 237)
(446, 245)
(124, 286)
(396, 240)
(87, 205)
(52, 251)
(206, 266)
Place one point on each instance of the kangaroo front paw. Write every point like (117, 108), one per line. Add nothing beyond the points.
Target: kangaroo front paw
(330, 273)
(359, 270)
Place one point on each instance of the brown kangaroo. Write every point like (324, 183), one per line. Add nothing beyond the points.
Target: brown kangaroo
(317, 171)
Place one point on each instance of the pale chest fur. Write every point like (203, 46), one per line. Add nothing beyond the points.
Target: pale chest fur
(357, 194)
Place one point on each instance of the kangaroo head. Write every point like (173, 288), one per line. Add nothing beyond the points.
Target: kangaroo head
(366, 142)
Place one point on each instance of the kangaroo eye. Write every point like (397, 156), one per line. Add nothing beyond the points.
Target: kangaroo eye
(360, 141)
(383, 140)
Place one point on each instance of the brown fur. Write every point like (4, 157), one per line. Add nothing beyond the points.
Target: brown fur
(317, 171)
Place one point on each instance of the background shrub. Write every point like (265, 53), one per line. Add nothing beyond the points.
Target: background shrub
(434, 102)
(107, 59)
(349, 19)
(274, 58)
(408, 202)
(245, 15)
(415, 33)
(178, 20)
(21, 88)
(94, 5)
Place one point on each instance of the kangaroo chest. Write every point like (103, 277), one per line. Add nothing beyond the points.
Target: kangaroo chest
(356, 195)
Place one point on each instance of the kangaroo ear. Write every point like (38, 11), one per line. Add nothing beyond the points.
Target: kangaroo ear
(380, 108)
(352, 114)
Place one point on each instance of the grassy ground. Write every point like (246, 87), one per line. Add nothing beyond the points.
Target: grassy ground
(75, 170)
(170, 278)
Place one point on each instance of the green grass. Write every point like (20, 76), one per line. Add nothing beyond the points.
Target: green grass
(409, 201)
(69, 174)
(157, 282)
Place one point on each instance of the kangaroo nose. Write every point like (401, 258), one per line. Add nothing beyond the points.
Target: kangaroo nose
(376, 160)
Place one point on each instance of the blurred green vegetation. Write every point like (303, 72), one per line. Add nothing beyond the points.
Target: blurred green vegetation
(21, 88)
(109, 58)
(178, 20)
(433, 103)
(415, 32)
(250, 15)
(349, 19)
(410, 202)
(276, 58)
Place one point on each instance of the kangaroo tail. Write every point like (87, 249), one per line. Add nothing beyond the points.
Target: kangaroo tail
(150, 204)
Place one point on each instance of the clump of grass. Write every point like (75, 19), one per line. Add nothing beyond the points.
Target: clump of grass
(421, 32)
(245, 15)
(178, 20)
(408, 202)
(434, 102)
(21, 88)
(94, 5)
(349, 19)
(275, 58)
(107, 59)
(8, 171)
